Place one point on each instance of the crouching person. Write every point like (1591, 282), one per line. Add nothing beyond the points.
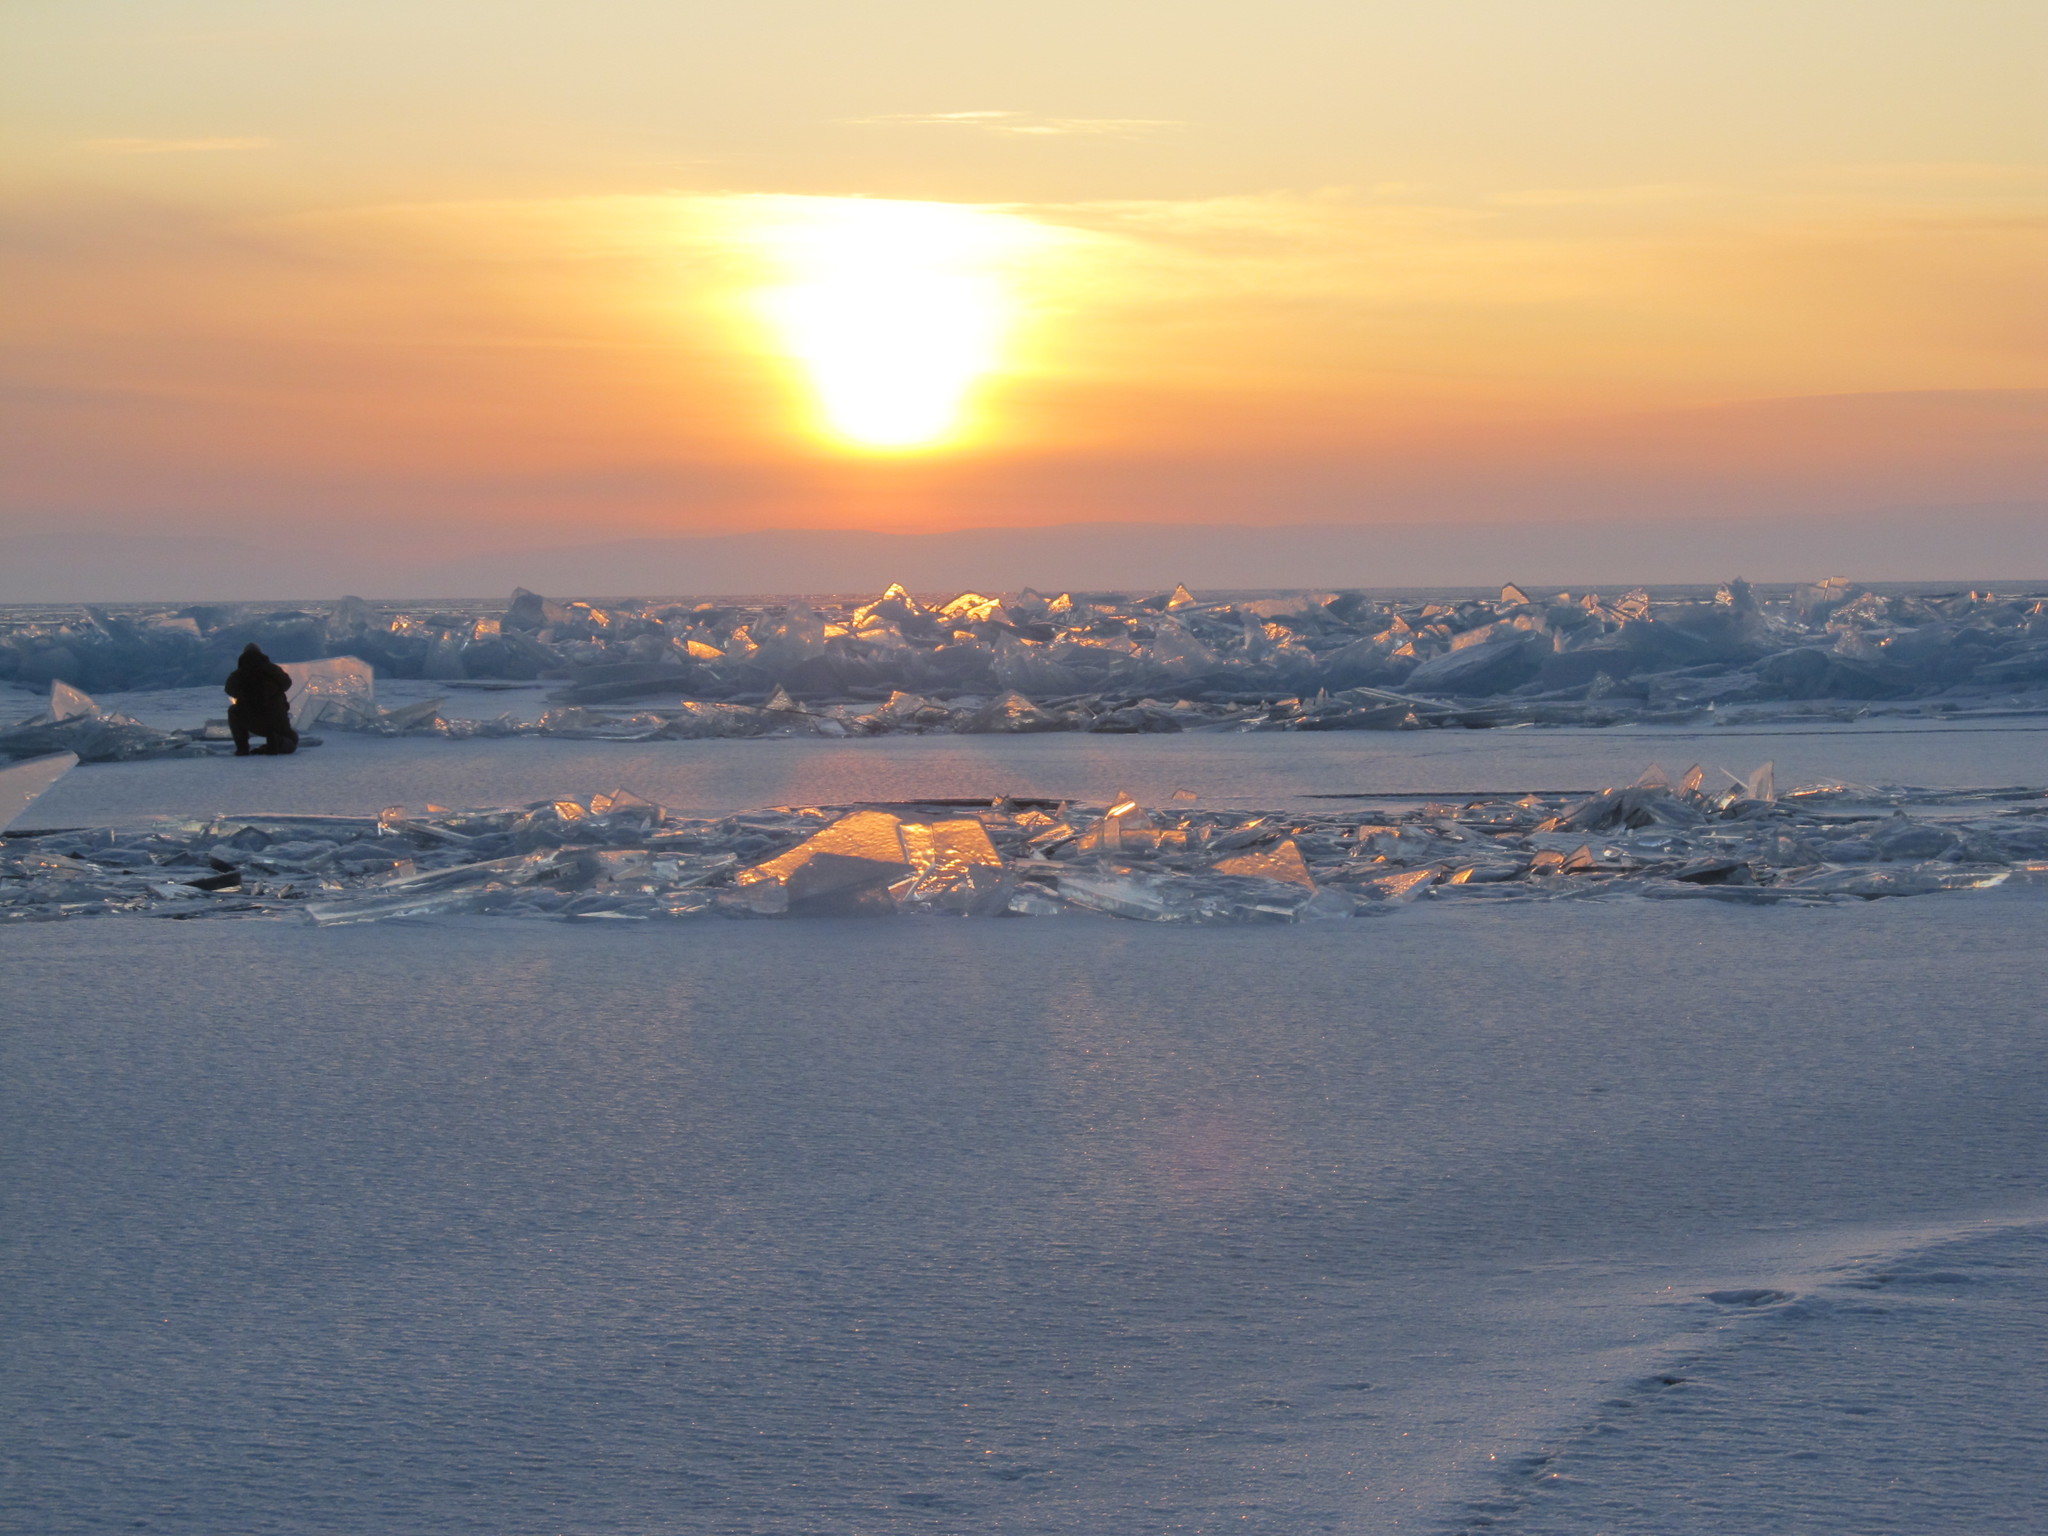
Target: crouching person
(258, 687)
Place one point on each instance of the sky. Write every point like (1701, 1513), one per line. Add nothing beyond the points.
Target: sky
(387, 283)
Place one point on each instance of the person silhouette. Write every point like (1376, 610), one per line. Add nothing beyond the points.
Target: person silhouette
(257, 688)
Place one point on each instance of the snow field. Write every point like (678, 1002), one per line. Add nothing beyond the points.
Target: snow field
(1070, 1227)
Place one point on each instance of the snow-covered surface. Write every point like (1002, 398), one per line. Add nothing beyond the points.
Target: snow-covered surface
(933, 1226)
(939, 1226)
(360, 775)
(1897, 1395)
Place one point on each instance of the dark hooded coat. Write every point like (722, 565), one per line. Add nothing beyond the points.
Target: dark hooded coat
(259, 687)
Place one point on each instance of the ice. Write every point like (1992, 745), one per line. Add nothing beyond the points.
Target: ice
(1013, 712)
(978, 1228)
(94, 735)
(1145, 898)
(458, 888)
(1282, 862)
(958, 869)
(873, 861)
(875, 836)
(20, 783)
(843, 870)
(1495, 665)
(69, 703)
(76, 723)
(619, 855)
(1112, 662)
(340, 689)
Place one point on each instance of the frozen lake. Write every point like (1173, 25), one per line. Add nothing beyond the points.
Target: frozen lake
(1405, 1224)
(476, 1227)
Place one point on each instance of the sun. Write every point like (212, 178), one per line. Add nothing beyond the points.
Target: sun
(892, 312)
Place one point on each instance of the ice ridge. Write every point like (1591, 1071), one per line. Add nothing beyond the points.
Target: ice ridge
(618, 857)
(1096, 662)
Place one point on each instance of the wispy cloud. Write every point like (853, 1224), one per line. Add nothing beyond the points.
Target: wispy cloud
(1641, 194)
(1023, 124)
(1965, 178)
(170, 146)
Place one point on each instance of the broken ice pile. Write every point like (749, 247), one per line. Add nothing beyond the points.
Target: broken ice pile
(1106, 662)
(341, 691)
(73, 724)
(620, 858)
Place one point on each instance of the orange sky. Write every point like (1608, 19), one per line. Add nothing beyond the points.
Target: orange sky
(449, 271)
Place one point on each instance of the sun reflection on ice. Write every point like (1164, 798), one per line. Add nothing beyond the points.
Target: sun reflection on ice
(894, 311)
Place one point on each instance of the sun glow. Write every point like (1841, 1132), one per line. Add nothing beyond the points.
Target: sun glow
(894, 311)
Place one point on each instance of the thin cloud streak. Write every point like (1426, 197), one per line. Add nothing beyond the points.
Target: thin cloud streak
(170, 146)
(1022, 124)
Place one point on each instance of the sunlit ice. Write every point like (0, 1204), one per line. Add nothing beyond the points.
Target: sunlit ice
(895, 314)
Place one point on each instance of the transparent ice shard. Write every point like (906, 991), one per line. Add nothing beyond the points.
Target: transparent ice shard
(904, 707)
(957, 868)
(1124, 828)
(1650, 802)
(1179, 652)
(764, 898)
(1146, 898)
(95, 735)
(69, 703)
(962, 843)
(624, 809)
(1034, 901)
(409, 716)
(1407, 885)
(844, 870)
(1895, 880)
(890, 618)
(444, 656)
(384, 906)
(1027, 667)
(1326, 905)
(971, 608)
(1011, 713)
(1282, 862)
(873, 835)
(1213, 898)
(340, 690)
(708, 721)
(870, 861)
(843, 885)
(21, 783)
